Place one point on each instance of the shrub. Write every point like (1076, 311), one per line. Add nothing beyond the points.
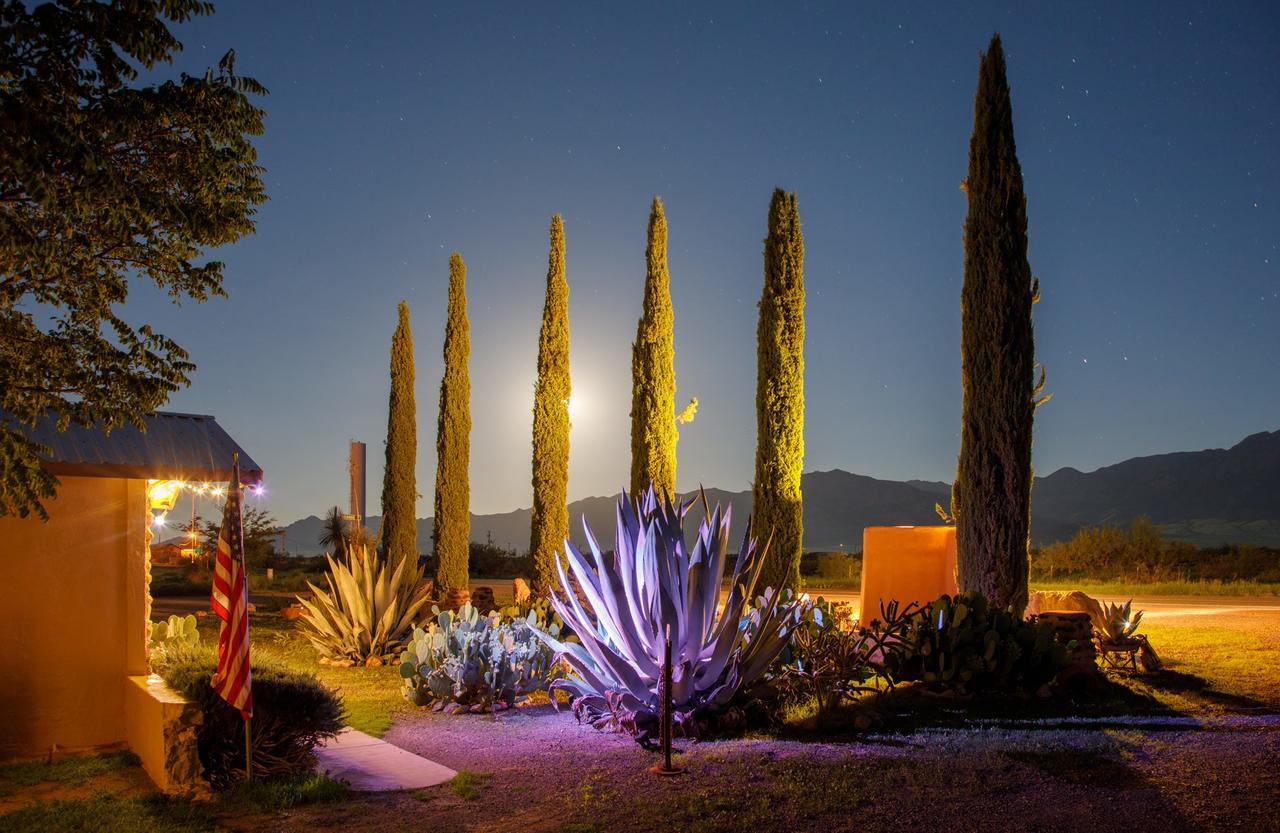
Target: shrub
(292, 712)
(965, 645)
(839, 567)
(830, 663)
(649, 586)
(476, 662)
(368, 610)
(487, 560)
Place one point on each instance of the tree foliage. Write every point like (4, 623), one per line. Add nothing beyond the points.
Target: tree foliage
(653, 374)
(103, 180)
(776, 501)
(399, 532)
(452, 519)
(992, 495)
(1140, 553)
(261, 533)
(550, 515)
(334, 535)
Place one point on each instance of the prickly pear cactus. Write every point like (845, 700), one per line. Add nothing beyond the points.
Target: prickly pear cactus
(476, 662)
(963, 645)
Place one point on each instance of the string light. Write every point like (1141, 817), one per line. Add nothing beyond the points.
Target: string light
(163, 493)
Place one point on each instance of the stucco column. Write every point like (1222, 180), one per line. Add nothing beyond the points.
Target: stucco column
(137, 578)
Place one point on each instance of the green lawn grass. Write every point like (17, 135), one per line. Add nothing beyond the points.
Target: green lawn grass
(106, 811)
(72, 772)
(1232, 668)
(371, 695)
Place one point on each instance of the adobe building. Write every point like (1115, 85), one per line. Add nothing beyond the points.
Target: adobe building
(75, 605)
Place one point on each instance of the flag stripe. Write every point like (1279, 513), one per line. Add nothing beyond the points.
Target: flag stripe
(230, 601)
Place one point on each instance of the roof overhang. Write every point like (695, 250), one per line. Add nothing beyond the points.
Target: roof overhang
(188, 447)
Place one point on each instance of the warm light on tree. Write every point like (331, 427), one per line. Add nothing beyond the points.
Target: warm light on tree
(452, 518)
(552, 406)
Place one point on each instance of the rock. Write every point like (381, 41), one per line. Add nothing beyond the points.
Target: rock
(1047, 600)
(1077, 626)
(482, 599)
(520, 591)
(456, 598)
(1148, 660)
(373, 662)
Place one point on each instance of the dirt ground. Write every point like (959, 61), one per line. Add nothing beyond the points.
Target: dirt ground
(535, 771)
(1210, 761)
(1214, 768)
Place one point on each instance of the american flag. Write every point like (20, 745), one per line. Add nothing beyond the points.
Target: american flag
(230, 601)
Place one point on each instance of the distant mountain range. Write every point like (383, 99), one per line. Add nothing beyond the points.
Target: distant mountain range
(1206, 497)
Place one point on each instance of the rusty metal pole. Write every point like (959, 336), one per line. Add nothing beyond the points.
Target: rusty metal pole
(666, 703)
(664, 714)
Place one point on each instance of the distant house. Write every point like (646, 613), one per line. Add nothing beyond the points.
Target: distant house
(74, 594)
(168, 554)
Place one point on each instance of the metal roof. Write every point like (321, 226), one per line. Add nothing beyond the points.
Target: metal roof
(173, 447)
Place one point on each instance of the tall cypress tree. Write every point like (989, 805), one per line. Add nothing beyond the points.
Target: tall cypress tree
(550, 516)
(452, 521)
(399, 531)
(653, 374)
(776, 502)
(992, 496)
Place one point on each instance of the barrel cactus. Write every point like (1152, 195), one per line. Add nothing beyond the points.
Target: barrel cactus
(650, 585)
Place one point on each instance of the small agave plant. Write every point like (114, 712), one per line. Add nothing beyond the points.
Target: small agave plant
(1119, 623)
(651, 584)
(368, 611)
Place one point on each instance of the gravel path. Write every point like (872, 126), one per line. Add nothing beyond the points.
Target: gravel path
(536, 770)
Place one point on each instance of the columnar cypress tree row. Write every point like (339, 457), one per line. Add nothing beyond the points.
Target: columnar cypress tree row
(550, 521)
(452, 521)
(653, 374)
(992, 495)
(399, 532)
(776, 503)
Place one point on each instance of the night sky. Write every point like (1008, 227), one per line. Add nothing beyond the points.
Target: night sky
(396, 134)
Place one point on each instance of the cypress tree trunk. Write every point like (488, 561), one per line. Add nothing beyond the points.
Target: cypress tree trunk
(452, 521)
(550, 516)
(399, 531)
(653, 374)
(775, 496)
(992, 494)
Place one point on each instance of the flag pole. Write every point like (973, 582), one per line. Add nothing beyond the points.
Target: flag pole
(244, 573)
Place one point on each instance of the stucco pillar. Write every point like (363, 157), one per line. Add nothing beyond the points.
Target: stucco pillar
(906, 563)
(137, 578)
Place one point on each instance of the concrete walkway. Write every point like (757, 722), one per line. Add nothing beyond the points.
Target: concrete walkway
(370, 764)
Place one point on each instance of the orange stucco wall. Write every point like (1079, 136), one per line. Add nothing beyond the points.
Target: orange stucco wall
(73, 616)
(907, 563)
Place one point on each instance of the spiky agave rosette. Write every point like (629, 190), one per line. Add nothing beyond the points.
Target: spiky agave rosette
(651, 582)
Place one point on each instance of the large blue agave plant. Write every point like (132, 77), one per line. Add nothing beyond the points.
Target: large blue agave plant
(651, 582)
